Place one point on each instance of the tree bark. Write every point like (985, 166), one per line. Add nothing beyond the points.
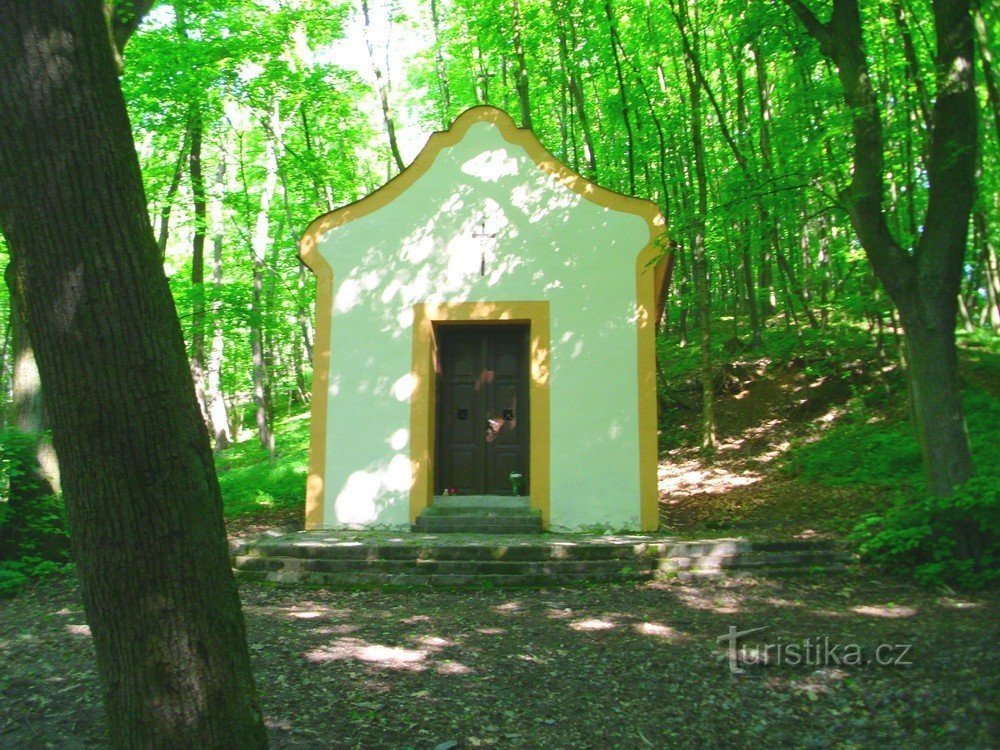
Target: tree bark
(573, 84)
(623, 95)
(439, 65)
(141, 494)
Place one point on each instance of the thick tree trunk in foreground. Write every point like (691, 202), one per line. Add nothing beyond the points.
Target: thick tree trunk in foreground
(141, 494)
(924, 284)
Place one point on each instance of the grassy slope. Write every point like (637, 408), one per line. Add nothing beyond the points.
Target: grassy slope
(256, 487)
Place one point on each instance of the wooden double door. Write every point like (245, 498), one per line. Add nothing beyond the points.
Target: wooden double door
(482, 408)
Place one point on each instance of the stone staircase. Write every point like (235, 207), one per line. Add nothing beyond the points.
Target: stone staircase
(459, 514)
(344, 559)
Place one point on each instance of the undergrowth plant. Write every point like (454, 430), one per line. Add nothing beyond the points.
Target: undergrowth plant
(938, 539)
(33, 538)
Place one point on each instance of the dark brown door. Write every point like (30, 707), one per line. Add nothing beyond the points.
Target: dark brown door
(482, 408)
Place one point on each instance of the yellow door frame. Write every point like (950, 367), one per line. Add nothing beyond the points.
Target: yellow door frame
(423, 401)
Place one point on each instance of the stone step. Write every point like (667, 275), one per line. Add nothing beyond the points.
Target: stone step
(475, 524)
(755, 560)
(442, 580)
(480, 501)
(428, 567)
(332, 559)
(477, 511)
(517, 551)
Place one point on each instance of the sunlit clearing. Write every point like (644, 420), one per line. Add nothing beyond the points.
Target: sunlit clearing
(451, 667)
(957, 603)
(885, 610)
(311, 614)
(690, 476)
(433, 641)
(391, 657)
(592, 624)
(657, 630)
(725, 603)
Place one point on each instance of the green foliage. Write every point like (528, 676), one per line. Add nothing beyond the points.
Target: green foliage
(15, 574)
(939, 539)
(33, 534)
(942, 540)
(861, 452)
(252, 484)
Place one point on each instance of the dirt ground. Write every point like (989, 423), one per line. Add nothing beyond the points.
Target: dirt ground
(743, 489)
(588, 667)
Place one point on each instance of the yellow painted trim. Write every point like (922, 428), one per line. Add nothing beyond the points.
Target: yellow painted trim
(320, 385)
(423, 410)
(649, 277)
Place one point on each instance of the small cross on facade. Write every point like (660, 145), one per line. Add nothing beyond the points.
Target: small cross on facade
(484, 237)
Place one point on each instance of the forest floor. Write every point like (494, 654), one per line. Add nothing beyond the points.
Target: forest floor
(611, 666)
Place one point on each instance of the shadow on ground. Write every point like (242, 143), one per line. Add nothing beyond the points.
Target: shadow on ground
(619, 666)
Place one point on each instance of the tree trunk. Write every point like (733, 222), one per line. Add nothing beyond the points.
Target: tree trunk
(439, 65)
(168, 201)
(261, 240)
(623, 95)
(382, 89)
(574, 86)
(521, 81)
(198, 262)
(937, 405)
(141, 494)
(218, 416)
(925, 284)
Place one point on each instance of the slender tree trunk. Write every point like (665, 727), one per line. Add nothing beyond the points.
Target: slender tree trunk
(218, 417)
(141, 494)
(382, 89)
(521, 81)
(439, 66)
(260, 242)
(168, 201)
(986, 61)
(198, 261)
(746, 266)
(574, 85)
(623, 95)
